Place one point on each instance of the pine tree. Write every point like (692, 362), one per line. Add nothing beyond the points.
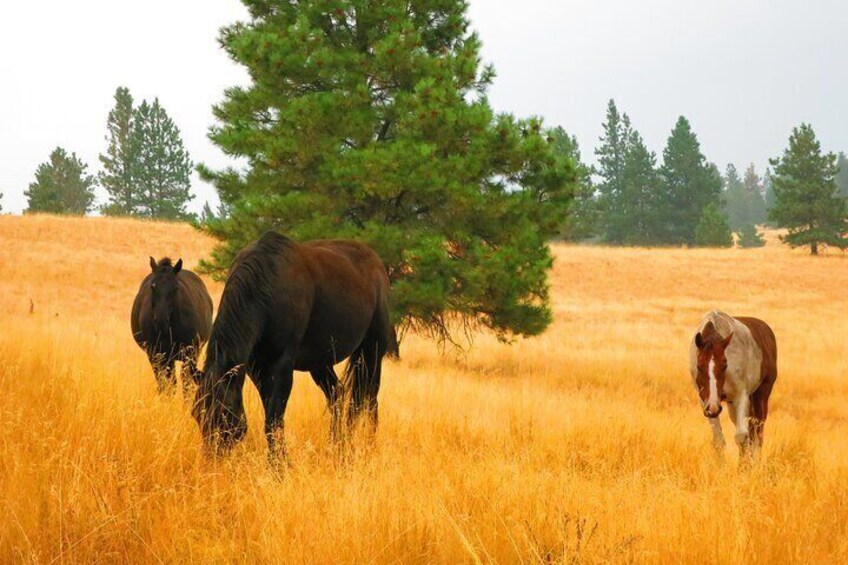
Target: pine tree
(842, 175)
(61, 186)
(735, 198)
(712, 229)
(770, 198)
(744, 199)
(581, 221)
(754, 197)
(807, 203)
(119, 160)
(690, 184)
(161, 165)
(611, 154)
(370, 120)
(750, 237)
(639, 213)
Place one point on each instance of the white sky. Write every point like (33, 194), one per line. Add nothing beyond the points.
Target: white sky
(743, 71)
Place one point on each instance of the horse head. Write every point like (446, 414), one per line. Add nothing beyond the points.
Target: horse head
(219, 406)
(163, 289)
(712, 368)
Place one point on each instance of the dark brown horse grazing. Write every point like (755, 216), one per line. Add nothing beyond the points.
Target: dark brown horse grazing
(295, 306)
(171, 320)
(735, 360)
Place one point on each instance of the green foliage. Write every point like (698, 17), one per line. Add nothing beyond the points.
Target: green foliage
(770, 198)
(691, 184)
(62, 186)
(807, 203)
(369, 120)
(734, 198)
(581, 220)
(161, 165)
(640, 205)
(118, 162)
(146, 169)
(744, 200)
(750, 237)
(712, 229)
(639, 220)
(842, 175)
(755, 201)
(629, 200)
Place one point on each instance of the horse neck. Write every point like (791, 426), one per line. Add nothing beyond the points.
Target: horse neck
(234, 335)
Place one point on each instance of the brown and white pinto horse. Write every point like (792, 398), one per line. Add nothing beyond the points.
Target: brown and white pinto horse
(734, 360)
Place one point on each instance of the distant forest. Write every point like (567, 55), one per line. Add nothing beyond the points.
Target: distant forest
(629, 198)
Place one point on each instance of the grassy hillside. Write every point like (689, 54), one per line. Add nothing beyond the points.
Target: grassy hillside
(584, 445)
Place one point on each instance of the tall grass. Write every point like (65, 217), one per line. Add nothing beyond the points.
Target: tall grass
(585, 445)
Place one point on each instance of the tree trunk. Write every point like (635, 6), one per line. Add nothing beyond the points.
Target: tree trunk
(814, 248)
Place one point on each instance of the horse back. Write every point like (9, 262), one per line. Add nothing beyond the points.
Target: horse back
(359, 256)
(767, 342)
(372, 270)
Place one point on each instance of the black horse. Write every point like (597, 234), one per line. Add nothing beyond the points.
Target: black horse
(171, 320)
(295, 306)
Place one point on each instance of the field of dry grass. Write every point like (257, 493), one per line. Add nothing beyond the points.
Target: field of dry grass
(585, 445)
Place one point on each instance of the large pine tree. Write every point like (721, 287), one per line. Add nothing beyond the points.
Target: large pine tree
(370, 120)
(690, 182)
(611, 154)
(807, 202)
(161, 167)
(119, 161)
(62, 186)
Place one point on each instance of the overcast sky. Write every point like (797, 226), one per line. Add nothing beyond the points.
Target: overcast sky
(744, 72)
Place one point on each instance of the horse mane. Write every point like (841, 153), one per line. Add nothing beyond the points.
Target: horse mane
(720, 323)
(164, 262)
(247, 295)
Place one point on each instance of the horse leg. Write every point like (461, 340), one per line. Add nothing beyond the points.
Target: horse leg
(163, 370)
(740, 412)
(759, 413)
(366, 367)
(275, 387)
(329, 383)
(189, 373)
(718, 435)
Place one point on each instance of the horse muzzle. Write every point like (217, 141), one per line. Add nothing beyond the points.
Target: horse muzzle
(712, 411)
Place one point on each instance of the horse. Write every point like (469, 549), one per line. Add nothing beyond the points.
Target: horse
(290, 306)
(734, 360)
(171, 319)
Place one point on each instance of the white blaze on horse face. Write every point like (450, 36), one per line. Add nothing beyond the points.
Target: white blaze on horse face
(714, 400)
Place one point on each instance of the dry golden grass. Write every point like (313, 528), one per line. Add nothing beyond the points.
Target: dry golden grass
(583, 445)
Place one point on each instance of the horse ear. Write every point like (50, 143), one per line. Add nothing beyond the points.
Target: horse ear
(153, 264)
(726, 341)
(178, 266)
(699, 341)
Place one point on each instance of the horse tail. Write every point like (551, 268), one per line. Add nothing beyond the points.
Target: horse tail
(393, 350)
(384, 327)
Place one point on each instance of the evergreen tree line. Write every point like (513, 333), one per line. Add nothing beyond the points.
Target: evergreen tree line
(145, 169)
(630, 199)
